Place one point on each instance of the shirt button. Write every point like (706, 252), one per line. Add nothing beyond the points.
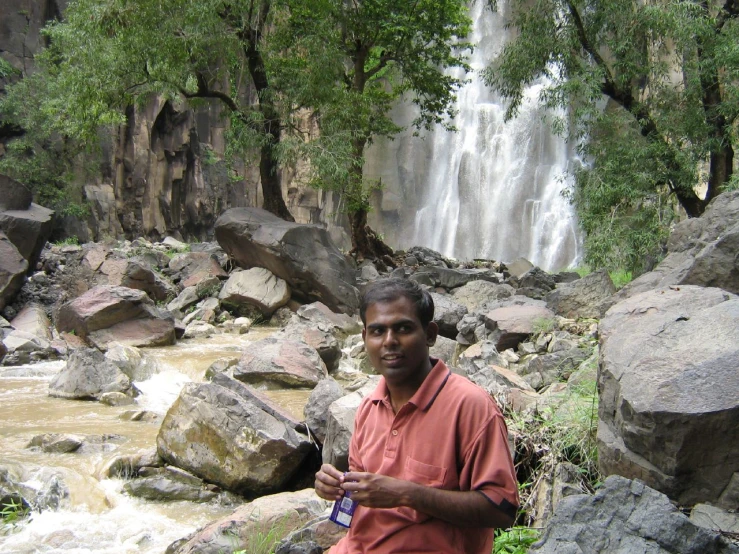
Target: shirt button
(395, 432)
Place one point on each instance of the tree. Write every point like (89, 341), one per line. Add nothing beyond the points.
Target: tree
(106, 56)
(670, 73)
(359, 58)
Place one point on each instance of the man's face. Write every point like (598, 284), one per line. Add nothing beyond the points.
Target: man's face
(396, 342)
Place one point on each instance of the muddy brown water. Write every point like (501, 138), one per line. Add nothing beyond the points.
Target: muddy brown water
(98, 518)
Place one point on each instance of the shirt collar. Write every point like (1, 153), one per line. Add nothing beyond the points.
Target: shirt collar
(428, 391)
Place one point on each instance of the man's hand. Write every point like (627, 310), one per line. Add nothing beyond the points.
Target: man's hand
(460, 508)
(328, 483)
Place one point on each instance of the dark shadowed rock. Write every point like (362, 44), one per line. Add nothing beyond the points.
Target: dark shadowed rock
(625, 517)
(669, 392)
(87, 375)
(302, 255)
(107, 314)
(590, 296)
(13, 195)
(170, 484)
(224, 438)
(29, 230)
(13, 269)
(452, 278)
(284, 362)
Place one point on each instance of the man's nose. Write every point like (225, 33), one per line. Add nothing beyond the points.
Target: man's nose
(389, 337)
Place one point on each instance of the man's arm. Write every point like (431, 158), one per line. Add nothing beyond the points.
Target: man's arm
(460, 508)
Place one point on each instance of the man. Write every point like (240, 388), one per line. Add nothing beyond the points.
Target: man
(429, 462)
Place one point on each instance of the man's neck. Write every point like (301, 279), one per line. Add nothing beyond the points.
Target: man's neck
(402, 393)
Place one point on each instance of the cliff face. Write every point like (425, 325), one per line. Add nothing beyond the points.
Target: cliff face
(164, 172)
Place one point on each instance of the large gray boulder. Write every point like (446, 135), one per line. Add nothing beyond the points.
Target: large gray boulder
(475, 295)
(107, 314)
(447, 314)
(13, 269)
(590, 296)
(625, 517)
(281, 362)
(169, 484)
(225, 438)
(255, 289)
(701, 251)
(88, 375)
(33, 319)
(29, 230)
(669, 392)
(302, 255)
(190, 268)
(340, 425)
(317, 326)
(241, 530)
(453, 278)
(514, 320)
(325, 393)
(136, 275)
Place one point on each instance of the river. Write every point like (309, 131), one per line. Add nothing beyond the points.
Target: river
(98, 517)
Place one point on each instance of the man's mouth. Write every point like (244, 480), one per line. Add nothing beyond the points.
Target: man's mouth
(391, 357)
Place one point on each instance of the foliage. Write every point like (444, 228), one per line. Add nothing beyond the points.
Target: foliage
(69, 241)
(266, 538)
(515, 540)
(564, 432)
(544, 325)
(355, 61)
(620, 277)
(6, 70)
(670, 74)
(11, 512)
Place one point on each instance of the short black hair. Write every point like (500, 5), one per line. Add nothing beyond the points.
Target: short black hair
(389, 290)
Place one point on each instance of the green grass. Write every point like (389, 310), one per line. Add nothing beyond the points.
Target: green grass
(11, 513)
(69, 241)
(266, 538)
(620, 277)
(515, 540)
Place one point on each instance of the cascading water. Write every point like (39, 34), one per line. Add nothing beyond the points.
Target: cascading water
(490, 190)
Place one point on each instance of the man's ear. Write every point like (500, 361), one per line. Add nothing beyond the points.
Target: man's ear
(432, 331)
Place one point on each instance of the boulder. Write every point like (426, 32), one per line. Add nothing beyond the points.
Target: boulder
(23, 348)
(282, 362)
(444, 349)
(340, 425)
(519, 267)
(130, 361)
(302, 255)
(590, 296)
(14, 195)
(192, 267)
(87, 375)
(185, 299)
(169, 484)
(624, 517)
(701, 251)
(226, 439)
(255, 288)
(325, 393)
(475, 295)
(29, 230)
(242, 530)
(13, 269)
(447, 314)
(515, 320)
(136, 275)
(669, 392)
(33, 319)
(536, 278)
(485, 367)
(107, 314)
(550, 368)
(128, 465)
(62, 443)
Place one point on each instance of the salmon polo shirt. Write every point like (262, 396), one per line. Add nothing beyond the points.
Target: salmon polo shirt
(450, 435)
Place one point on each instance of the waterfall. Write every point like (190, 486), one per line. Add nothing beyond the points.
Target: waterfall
(493, 189)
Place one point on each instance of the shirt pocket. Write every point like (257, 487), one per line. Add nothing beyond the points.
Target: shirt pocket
(425, 474)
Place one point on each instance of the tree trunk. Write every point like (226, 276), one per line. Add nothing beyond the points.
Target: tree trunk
(271, 127)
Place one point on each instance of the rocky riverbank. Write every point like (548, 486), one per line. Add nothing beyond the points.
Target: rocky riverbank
(664, 352)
